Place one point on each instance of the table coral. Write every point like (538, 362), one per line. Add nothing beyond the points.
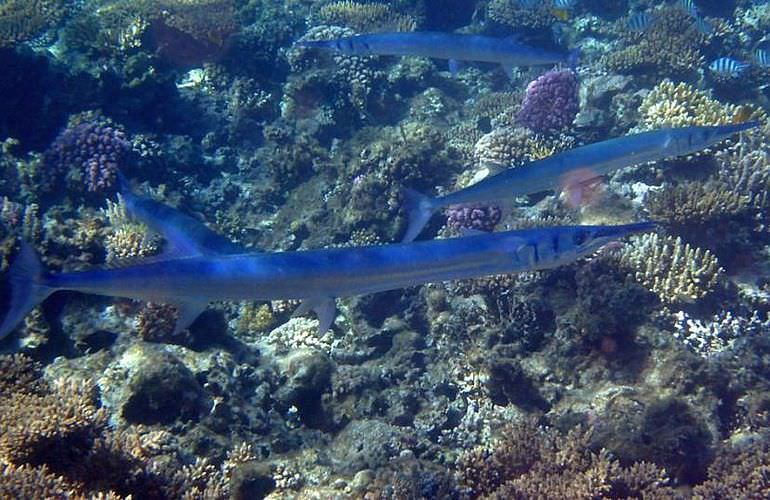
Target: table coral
(672, 269)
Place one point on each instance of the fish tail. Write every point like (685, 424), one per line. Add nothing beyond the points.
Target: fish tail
(573, 59)
(419, 209)
(26, 288)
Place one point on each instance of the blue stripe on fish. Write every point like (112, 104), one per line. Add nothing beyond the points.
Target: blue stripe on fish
(640, 21)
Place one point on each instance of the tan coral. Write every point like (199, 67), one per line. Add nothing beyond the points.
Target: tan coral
(365, 18)
(695, 202)
(514, 146)
(511, 13)
(22, 20)
(126, 238)
(672, 269)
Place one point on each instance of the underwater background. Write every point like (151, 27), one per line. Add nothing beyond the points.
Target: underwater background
(642, 371)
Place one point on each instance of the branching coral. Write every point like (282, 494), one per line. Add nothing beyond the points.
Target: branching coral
(672, 269)
(534, 462)
(695, 203)
(21, 20)
(514, 146)
(127, 239)
(738, 472)
(672, 104)
(513, 14)
(364, 18)
(669, 47)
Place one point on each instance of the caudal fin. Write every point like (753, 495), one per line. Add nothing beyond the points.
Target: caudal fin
(25, 288)
(419, 209)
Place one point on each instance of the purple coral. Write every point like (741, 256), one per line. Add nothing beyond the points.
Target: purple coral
(473, 216)
(96, 146)
(551, 102)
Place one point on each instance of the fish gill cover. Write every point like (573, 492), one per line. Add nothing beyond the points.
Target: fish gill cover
(638, 371)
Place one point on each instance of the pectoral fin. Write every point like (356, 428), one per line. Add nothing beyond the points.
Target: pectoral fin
(187, 312)
(324, 308)
(184, 235)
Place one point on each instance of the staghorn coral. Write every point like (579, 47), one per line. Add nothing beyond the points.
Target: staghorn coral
(670, 268)
(50, 428)
(738, 471)
(33, 482)
(670, 47)
(530, 461)
(745, 168)
(18, 373)
(695, 203)
(22, 20)
(364, 18)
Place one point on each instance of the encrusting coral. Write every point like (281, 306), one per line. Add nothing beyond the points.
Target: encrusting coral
(670, 268)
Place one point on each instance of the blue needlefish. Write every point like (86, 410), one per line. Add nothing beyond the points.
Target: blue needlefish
(571, 169)
(508, 52)
(201, 266)
(729, 67)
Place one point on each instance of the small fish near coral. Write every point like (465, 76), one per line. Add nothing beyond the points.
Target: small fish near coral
(728, 67)
(200, 266)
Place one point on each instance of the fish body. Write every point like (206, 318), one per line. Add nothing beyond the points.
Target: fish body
(640, 22)
(507, 52)
(550, 173)
(762, 56)
(689, 7)
(727, 66)
(194, 272)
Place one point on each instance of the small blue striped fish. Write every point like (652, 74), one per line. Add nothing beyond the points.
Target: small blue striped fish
(727, 66)
(689, 7)
(704, 27)
(762, 56)
(640, 21)
(530, 4)
(563, 4)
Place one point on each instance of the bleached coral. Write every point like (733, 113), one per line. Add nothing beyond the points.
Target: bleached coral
(127, 239)
(718, 335)
(670, 268)
(299, 333)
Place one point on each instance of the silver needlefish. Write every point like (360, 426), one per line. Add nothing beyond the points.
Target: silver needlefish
(201, 266)
(571, 169)
(508, 52)
(729, 67)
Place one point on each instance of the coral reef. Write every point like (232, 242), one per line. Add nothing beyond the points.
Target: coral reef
(550, 103)
(92, 143)
(671, 268)
(513, 14)
(474, 216)
(22, 20)
(364, 17)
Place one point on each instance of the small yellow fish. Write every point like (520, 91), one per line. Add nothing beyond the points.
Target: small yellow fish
(560, 14)
(742, 114)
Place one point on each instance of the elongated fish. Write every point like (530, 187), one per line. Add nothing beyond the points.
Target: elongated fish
(201, 266)
(576, 166)
(508, 52)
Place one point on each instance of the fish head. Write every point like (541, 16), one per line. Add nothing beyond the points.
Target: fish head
(584, 240)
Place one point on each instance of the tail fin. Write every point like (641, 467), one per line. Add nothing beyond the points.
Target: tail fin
(419, 208)
(573, 59)
(25, 286)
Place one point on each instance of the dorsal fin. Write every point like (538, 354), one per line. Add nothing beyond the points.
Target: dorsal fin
(184, 235)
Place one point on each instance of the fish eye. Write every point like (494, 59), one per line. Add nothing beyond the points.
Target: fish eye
(579, 237)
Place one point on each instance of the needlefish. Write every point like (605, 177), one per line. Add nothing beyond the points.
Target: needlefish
(200, 266)
(571, 170)
(508, 52)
